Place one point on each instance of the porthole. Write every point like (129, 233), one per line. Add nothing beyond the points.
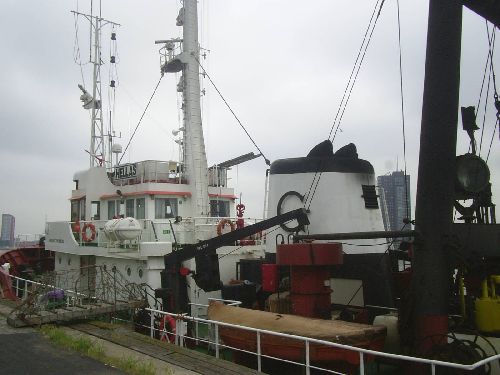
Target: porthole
(140, 273)
(69, 261)
(129, 271)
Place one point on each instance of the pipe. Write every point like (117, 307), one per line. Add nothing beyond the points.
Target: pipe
(356, 235)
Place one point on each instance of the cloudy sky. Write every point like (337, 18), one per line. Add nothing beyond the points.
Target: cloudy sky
(281, 64)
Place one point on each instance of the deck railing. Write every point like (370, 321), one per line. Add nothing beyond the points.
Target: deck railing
(181, 336)
(159, 230)
(23, 288)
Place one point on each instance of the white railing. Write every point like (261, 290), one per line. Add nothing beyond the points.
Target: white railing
(203, 306)
(159, 230)
(180, 337)
(24, 287)
(206, 227)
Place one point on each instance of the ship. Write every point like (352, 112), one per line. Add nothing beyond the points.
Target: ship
(127, 217)
(175, 225)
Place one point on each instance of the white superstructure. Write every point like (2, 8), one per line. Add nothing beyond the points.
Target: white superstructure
(127, 217)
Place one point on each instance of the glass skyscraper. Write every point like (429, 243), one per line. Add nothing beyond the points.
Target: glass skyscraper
(394, 190)
(8, 226)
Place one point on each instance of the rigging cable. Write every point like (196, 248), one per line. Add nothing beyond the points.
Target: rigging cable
(402, 111)
(142, 116)
(489, 64)
(76, 47)
(90, 33)
(486, 65)
(357, 67)
(491, 42)
(231, 110)
(348, 91)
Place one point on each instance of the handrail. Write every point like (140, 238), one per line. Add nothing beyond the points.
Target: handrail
(307, 341)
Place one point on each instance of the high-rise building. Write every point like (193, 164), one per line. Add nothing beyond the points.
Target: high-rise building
(8, 226)
(394, 192)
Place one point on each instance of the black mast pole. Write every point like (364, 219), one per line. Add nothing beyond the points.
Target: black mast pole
(436, 172)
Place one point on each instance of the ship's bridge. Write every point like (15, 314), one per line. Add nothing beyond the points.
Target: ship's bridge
(146, 171)
(161, 172)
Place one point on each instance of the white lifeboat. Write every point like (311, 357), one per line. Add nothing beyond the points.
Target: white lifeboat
(122, 229)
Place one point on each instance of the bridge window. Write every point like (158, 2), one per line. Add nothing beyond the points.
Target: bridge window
(129, 209)
(219, 208)
(78, 209)
(165, 208)
(111, 209)
(140, 208)
(95, 210)
(75, 210)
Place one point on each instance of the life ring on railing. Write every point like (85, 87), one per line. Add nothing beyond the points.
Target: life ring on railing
(222, 224)
(167, 328)
(91, 227)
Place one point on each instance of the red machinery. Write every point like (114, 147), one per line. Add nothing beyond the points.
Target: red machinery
(310, 275)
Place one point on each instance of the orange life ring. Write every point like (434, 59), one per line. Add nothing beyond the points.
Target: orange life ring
(167, 328)
(85, 237)
(222, 224)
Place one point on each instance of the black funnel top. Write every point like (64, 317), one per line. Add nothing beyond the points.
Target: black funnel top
(322, 159)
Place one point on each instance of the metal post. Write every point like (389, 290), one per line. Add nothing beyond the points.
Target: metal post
(259, 359)
(216, 341)
(435, 190)
(177, 327)
(152, 326)
(17, 287)
(361, 363)
(114, 284)
(25, 295)
(197, 324)
(308, 359)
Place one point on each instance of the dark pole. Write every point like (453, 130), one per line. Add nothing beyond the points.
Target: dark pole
(355, 235)
(435, 189)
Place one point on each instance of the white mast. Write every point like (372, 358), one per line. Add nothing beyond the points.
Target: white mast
(194, 146)
(194, 156)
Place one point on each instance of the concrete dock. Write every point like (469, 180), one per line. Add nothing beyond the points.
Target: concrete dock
(27, 351)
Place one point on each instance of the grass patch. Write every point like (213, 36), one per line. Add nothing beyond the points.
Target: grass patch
(82, 345)
(94, 350)
(132, 366)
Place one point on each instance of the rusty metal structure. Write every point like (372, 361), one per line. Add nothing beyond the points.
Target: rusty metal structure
(75, 294)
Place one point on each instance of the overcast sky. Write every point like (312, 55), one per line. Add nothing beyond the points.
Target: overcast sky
(281, 64)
